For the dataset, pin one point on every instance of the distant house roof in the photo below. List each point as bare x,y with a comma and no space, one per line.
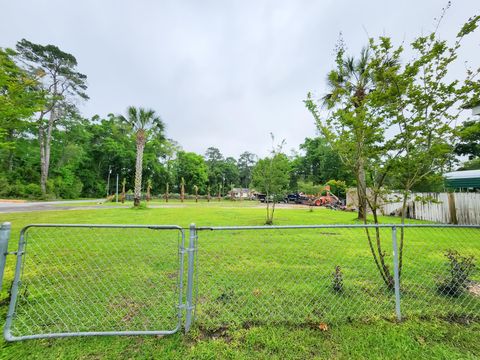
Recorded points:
463,179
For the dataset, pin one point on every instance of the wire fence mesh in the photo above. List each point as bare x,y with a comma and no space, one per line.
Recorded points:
440,276
82,279
310,276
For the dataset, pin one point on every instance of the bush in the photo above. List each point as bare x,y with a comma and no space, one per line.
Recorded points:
66,189
309,188
337,281
337,187
33,191
16,190
4,187
460,269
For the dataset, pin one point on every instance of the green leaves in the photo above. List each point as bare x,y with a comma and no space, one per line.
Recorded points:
470,26
271,174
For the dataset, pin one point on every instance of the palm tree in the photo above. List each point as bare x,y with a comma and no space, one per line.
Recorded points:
145,124
195,187
349,85
182,189
149,187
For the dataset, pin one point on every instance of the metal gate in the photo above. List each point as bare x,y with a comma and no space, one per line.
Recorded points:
77,280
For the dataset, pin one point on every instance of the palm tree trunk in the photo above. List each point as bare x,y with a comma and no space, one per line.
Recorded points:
137,195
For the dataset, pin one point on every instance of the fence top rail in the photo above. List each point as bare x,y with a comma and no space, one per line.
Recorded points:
357,226
258,227
107,226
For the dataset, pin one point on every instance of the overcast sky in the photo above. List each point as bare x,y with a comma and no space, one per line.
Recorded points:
220,73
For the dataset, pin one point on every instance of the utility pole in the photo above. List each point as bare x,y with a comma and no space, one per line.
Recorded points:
108,179
117,190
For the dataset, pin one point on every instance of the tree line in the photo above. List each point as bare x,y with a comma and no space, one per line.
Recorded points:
385,123
49,150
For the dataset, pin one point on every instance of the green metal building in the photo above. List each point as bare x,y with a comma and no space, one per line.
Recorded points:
467,180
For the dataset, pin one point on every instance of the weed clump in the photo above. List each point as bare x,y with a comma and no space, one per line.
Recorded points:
460,269
337,281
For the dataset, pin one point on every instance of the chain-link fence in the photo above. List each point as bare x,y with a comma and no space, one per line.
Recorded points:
96,280
308,276
75,280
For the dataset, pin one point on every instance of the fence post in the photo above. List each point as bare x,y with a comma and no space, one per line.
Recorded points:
4,236
396,277
191,263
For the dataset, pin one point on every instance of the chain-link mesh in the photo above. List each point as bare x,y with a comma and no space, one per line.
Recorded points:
440,275
79,279
290,276
328,275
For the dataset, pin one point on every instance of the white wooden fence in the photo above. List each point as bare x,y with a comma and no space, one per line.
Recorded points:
446,208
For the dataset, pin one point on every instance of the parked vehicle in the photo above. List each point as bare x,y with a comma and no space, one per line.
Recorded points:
261,197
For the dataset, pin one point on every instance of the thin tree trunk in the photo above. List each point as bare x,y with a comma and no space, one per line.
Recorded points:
137,194
381,254
361,191
148,196
271,214
166,192
43,176
10,151
402,233
10,160
268,222
46,139
182,190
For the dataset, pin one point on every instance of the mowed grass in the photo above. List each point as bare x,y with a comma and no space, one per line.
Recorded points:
260,294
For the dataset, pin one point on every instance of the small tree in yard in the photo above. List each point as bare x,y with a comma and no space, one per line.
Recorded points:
145,124
405,123
421,103
271,176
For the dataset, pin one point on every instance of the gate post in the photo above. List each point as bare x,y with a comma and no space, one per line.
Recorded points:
190,267
4,236
396,277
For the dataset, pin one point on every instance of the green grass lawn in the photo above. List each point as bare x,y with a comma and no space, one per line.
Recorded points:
261,294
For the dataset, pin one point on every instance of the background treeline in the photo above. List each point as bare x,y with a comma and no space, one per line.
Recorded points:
84,152
49,150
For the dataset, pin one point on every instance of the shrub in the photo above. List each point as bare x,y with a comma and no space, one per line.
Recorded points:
460,269
16,190
4,187
33,191
337,281
309,188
